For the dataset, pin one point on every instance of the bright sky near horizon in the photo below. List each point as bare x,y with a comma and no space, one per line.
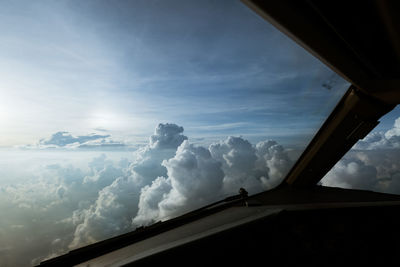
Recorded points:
122,67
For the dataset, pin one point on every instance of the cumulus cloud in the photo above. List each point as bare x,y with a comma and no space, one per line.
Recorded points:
63,206
351,173
110,215
197,176
255,168
376,170
122,196
273,158
150,198
381,140
395,131
193,172
167,135
372,164
165,178
48,205
238,158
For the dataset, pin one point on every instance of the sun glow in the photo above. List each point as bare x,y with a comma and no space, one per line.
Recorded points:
104,119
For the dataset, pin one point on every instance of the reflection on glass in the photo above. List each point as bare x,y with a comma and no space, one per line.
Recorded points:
120,114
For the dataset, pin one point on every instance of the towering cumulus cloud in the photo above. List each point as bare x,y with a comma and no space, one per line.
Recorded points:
254,168
197,176
117,203
163,179
167,136
238,159
194,179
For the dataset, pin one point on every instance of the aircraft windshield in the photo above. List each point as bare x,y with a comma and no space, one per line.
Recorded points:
117,114
373,162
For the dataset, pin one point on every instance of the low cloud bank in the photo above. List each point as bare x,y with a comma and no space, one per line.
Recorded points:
165,178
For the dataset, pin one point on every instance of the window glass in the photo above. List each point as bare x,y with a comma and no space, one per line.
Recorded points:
117,114
373,163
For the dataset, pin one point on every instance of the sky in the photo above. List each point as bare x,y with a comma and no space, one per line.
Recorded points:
119,114
120,68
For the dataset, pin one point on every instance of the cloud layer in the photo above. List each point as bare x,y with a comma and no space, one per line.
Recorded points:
372,164
170,176
63,206
165,178
64,140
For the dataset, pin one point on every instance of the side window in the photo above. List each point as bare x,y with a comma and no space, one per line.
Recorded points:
374,162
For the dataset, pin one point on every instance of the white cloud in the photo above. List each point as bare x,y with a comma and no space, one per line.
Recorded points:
196,179
373,141
395,131
165,178
255,168
110,215
64,138
352,173
63,206
117,203
381,140
193,172
197,176
167,136
150,198
372,164
67,141
238,158
273,158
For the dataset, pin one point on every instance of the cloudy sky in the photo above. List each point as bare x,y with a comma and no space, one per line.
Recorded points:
117,114
122,67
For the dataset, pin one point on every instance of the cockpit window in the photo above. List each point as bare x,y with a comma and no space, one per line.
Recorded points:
118,114
373,163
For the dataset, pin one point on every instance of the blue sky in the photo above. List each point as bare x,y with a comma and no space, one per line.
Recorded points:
213,67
